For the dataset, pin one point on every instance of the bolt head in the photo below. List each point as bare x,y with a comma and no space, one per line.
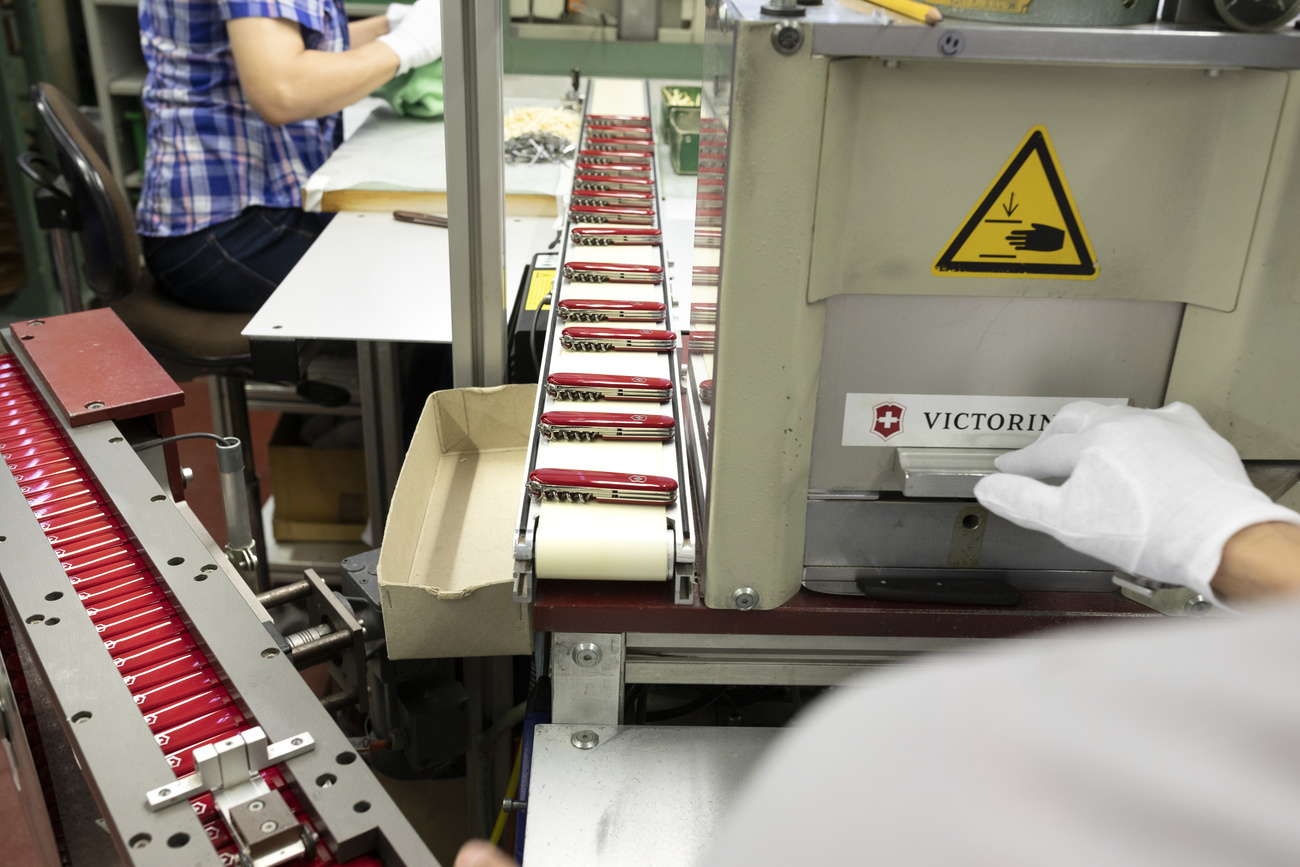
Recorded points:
585,739
787,38
587,654
745,598
269,825
95,404
162,793
255,806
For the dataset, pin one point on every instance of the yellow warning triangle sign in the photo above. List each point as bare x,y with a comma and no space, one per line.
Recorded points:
1026,225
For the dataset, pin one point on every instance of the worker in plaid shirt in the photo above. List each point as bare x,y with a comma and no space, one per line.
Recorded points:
243,100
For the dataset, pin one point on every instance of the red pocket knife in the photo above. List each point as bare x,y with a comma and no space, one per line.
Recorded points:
706,391
619,157
632,119
593,310
636,199
645,147
612,130
608,386
622,170
589,426
605,272
617,340
594,236
601,214
581,486
704,312
704,275
597,182
703,342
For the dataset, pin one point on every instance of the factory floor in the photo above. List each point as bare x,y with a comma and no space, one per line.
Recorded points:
436,808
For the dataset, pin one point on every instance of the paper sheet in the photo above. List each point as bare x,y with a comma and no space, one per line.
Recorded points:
618,96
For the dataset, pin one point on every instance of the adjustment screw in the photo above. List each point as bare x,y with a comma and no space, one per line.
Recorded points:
95,404
585,739
255,806
587,654
269,825
745,598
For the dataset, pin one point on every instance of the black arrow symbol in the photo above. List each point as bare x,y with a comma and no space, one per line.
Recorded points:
1010,207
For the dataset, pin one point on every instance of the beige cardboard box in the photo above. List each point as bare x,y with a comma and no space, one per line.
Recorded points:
445,571
320,494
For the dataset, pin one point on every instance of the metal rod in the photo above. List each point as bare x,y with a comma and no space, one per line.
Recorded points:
280,595
321,649
338,700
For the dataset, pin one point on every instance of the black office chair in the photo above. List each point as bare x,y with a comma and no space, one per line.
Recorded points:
84,198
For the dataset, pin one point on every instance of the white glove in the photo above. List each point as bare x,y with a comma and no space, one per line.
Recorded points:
1155,492
417,39
395,13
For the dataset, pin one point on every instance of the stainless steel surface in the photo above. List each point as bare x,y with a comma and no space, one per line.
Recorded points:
638,20
763,660
471,35
930,534
643,796
840,31
586,691
895,344
946,473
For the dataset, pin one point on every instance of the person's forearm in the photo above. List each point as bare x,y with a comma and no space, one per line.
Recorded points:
1259,561
285,82
367,30
317,83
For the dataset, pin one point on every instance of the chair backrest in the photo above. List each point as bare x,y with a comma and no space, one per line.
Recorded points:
109,245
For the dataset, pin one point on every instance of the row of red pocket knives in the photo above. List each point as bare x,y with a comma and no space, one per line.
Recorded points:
170,679
608,310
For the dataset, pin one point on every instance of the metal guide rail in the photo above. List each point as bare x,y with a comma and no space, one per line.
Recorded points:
168,687
609,422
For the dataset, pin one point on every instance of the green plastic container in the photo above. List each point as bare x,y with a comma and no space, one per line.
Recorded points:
670,111
684,140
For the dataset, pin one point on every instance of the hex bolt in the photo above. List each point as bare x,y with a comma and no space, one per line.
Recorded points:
269,825
745,598
585,739
587,654
787,37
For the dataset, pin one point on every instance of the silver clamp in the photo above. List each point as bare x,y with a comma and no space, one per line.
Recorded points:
261,823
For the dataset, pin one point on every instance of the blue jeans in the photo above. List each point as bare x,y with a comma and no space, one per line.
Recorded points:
233,266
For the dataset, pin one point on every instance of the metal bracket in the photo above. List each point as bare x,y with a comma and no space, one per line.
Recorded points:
229,764
1169,599
587,678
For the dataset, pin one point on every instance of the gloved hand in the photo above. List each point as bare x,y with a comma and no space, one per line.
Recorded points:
1155,492
417,40
395,13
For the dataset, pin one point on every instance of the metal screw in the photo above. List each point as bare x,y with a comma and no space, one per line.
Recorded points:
511,806
1197,606
891,63
951,43
1213,73
351,565
297,742
36,322
255,806
587,654
95,404
745,598
787,37
585,739
140,842
162,793
269,825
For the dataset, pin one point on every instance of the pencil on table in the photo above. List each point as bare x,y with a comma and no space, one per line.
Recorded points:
923,12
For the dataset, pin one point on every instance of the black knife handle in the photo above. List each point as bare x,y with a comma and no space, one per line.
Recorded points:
945,591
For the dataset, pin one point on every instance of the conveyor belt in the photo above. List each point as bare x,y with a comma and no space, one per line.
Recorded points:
175,684
598,540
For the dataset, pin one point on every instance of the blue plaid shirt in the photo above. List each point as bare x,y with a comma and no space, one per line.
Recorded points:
210,155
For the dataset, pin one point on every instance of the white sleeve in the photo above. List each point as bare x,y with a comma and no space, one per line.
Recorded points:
1166,743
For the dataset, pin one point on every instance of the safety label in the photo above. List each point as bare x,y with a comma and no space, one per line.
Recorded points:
950,420
1026,225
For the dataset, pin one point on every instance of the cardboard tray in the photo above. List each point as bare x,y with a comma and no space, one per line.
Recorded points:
446,567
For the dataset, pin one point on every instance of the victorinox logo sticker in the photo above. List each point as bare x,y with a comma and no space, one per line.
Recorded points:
888,420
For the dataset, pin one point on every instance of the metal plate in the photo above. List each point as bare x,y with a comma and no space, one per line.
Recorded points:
91,358
643,795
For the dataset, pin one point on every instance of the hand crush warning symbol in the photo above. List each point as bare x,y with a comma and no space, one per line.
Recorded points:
1026,225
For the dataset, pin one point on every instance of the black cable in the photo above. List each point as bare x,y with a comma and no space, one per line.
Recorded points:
225,441
533,348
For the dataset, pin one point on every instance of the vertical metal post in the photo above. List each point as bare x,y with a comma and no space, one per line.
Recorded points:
471,69
381,427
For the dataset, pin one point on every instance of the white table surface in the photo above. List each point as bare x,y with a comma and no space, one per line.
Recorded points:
369,277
